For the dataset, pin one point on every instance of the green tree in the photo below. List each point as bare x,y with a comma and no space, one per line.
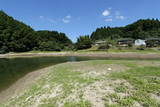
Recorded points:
83,42
16,36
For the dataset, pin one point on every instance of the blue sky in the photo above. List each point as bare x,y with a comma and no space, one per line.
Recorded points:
79,17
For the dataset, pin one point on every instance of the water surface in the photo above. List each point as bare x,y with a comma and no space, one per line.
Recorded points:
13,69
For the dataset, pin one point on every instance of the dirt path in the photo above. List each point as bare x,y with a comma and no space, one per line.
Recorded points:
89,54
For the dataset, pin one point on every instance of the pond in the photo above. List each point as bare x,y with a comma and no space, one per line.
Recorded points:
13,69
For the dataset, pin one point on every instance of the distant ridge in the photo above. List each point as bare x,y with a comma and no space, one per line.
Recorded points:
141,29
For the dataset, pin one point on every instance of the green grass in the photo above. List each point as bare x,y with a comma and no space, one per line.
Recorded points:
134,50
123,49
120,102
121,88
63,76
79,104
143,81
111,50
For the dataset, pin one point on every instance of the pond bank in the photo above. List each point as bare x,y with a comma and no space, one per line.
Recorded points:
97,83
88,54
22,83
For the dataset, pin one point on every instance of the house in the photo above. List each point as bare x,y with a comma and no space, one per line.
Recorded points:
125,42
153,42
100,43
140,42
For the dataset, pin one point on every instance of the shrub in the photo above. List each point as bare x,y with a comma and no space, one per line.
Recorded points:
83,42
142,47
3,50
104,47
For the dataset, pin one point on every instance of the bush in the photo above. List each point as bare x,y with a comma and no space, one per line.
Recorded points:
4,49
104,47
83,42
142,47
152,43
49,46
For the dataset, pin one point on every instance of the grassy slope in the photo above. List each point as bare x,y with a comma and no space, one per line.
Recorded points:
111,50
108,51
124,49
130,83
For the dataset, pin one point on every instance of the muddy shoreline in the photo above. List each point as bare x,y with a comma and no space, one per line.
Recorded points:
86,54
22,83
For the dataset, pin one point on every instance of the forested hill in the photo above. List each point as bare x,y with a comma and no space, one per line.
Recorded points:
139,30
16,36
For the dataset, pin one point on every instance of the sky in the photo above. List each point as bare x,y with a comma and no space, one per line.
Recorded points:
79,17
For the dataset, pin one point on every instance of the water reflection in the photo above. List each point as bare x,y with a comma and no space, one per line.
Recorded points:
13,69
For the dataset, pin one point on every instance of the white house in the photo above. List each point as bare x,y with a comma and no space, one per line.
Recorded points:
140,42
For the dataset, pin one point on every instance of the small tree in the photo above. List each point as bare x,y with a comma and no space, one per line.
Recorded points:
83,42
49,46
3,50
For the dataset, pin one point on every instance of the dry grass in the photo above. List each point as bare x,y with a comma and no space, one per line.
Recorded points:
92,84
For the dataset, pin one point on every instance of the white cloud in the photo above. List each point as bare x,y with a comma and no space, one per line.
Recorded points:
120,17
47,19
111,15
41,17
51,20
106,13
108,20
67,19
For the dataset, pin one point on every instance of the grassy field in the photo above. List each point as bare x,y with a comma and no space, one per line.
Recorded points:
108,51
98,83
122,49
111,50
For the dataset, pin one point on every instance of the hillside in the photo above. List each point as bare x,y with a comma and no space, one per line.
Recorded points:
138,30
16,36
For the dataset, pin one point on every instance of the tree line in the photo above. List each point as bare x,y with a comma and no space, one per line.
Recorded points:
15,36
141,29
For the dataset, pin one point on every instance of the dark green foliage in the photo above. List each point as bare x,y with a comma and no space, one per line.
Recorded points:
141,29
109,33
104,47
15,36
142,47
3,49
153,42
83,42
49,46
52,41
